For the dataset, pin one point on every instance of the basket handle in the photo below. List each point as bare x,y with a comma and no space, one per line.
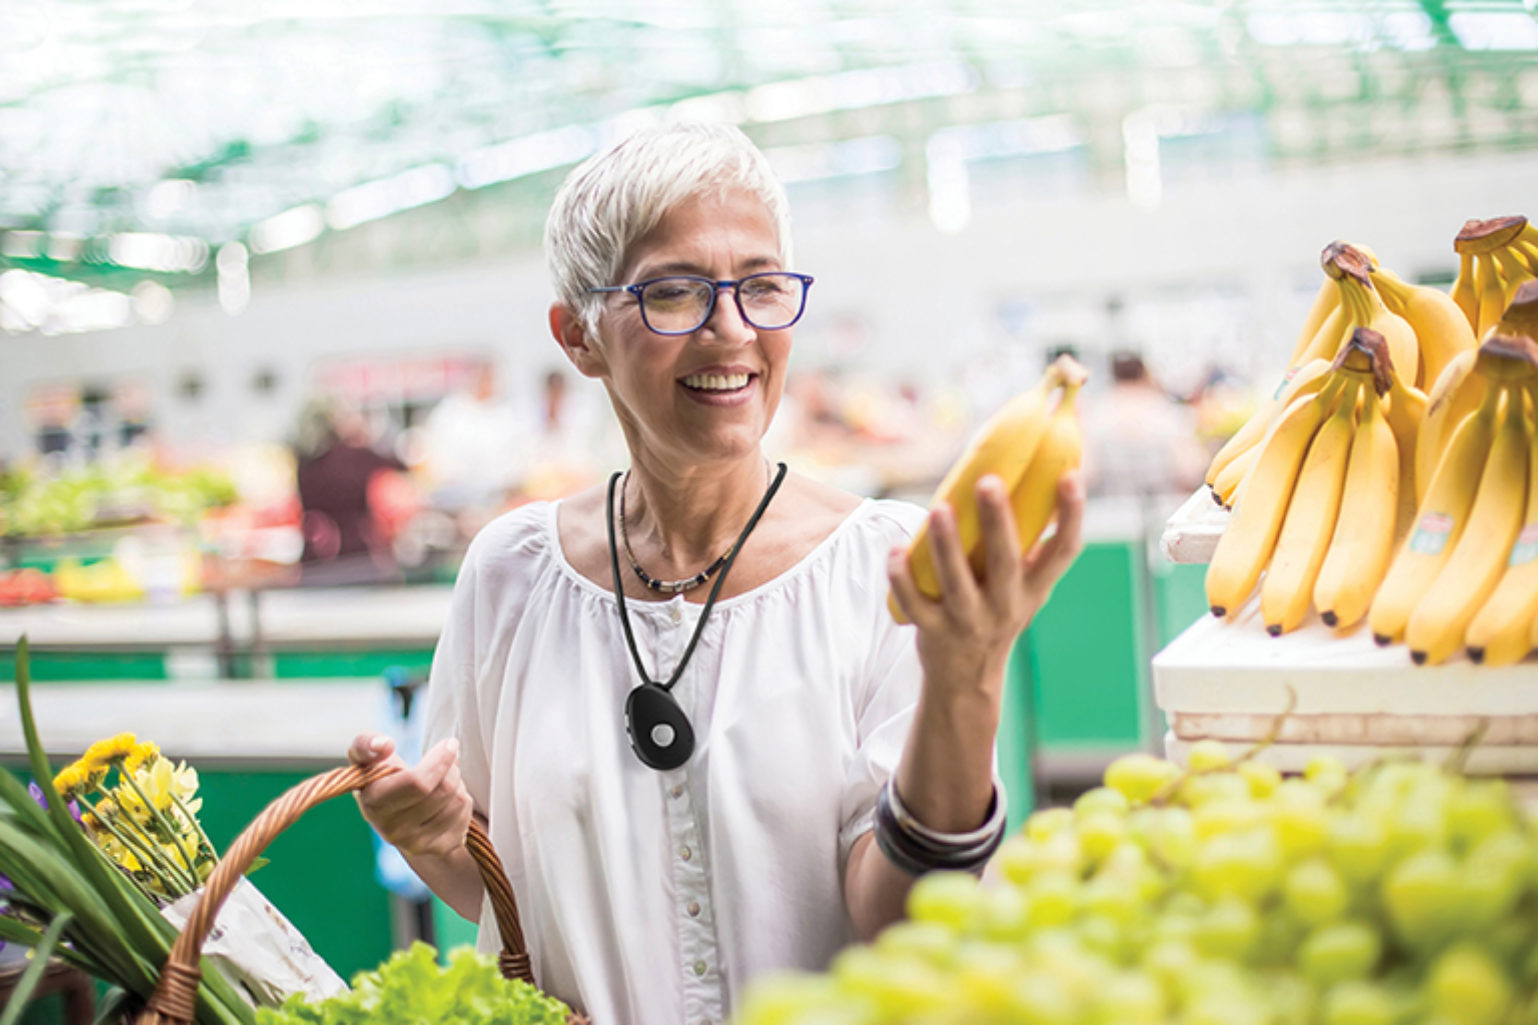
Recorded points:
174,1001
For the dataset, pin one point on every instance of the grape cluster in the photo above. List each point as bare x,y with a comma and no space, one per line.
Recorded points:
1218,894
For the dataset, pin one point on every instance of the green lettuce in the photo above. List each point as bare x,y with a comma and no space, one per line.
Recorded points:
411,988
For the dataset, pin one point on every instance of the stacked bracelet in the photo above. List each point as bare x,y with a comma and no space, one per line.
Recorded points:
916,849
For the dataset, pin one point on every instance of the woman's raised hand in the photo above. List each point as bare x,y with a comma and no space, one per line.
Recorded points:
422,810
967,634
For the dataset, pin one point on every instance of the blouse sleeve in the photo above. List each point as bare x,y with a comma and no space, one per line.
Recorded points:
884,711
453,708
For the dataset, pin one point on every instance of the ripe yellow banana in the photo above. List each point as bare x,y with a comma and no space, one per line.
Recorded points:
1500,634
1363,541
1465,294
1492,293
1305,380
1034,499
1326,302
1439,325
1456,394
1230,482
1436,628
1439,523
1514,275
1003,445
1366,309
1406,414
1288,587
1250,536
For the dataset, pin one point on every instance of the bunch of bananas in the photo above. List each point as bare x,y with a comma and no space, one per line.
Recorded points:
1495,258
1320,508
1029,443
1425,332
1467,576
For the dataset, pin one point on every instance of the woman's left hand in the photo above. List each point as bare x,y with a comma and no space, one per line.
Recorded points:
964,637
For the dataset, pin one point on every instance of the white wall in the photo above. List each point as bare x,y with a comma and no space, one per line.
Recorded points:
928,301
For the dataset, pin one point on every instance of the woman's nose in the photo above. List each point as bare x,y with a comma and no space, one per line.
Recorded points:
726,321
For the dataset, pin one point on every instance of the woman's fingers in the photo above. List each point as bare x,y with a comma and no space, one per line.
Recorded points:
958,587
1001,542
368,748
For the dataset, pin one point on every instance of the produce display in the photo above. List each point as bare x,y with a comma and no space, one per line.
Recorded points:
1388,480
411,987
107,493
1220,894
1029,443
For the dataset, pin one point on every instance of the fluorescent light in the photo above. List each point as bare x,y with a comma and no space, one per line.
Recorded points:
527,155
1495,30
150,251
405,191
293,227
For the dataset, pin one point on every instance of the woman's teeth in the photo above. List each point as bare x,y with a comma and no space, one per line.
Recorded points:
716,382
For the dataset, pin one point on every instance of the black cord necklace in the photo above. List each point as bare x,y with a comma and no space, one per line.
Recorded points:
660,586
660,734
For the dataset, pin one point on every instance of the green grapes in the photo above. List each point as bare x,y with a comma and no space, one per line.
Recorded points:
1218,894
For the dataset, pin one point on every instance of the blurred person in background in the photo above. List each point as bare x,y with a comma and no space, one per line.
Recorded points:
342,479
473,449
1139,440
669,844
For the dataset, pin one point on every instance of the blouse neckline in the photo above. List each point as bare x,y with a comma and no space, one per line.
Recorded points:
800,566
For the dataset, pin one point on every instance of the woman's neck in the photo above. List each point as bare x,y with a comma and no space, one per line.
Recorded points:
680,521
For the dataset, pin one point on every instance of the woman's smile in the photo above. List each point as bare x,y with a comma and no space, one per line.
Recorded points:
720,386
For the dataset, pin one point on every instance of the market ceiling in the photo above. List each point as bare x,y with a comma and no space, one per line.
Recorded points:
143,138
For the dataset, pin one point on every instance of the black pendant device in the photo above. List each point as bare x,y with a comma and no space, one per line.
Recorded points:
660,733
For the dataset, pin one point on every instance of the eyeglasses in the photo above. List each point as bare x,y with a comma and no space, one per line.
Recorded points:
681,304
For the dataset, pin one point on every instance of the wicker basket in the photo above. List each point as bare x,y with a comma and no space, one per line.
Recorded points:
174,999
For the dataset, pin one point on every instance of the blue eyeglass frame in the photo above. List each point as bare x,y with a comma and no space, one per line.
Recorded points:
715,292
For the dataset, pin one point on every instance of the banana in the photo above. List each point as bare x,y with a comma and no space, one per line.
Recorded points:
1492,293
1465,294
1250,536
1034,499
1499,634
1456,394
1226,488
1363,540
1436,628
1368,310
1526,254
1288,587
1439,523
1003,445
1326,302
1439,325
1305,380
1514,275
1406,413
1327,340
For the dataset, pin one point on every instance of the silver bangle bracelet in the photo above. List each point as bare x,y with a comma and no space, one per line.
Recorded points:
997,815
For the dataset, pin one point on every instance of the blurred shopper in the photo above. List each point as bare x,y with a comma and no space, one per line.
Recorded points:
1138,440
670,844
339,479
473,448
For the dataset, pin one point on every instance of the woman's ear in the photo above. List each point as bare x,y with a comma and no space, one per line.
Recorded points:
571,334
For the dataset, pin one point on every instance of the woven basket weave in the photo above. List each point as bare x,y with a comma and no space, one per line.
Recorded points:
174,1001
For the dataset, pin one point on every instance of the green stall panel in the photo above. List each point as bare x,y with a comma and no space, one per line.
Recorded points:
373,662
87,665
1182,597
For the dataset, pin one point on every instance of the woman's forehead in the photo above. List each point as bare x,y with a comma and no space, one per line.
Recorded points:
704,227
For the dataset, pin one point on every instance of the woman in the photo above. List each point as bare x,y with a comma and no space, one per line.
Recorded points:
654,894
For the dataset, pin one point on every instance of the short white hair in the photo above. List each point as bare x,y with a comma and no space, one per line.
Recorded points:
618,195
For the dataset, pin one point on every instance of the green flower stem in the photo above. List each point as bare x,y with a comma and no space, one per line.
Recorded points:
213,851
148,854
173,834
22,994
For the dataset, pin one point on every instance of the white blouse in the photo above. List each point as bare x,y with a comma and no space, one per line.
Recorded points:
652,898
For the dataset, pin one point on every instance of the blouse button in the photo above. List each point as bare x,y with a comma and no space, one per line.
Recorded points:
685,853
676,614
699,967
694,909
678,790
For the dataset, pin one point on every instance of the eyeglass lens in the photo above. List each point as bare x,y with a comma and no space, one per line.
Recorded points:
769,302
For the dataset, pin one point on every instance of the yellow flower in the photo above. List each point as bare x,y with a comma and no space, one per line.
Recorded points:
112,749
78,778
144,753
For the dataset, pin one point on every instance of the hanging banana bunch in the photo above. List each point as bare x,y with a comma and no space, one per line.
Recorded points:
1029,443
1468,558
1495,258
1317,512
1423,328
